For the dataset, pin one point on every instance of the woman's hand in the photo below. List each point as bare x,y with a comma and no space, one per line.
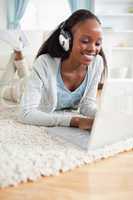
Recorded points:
85,123
82,123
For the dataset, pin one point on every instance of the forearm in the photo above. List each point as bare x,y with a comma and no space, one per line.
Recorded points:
37,117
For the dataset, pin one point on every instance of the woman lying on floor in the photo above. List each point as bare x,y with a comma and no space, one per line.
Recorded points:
66,74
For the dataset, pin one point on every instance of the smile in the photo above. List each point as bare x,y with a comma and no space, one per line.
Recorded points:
88,57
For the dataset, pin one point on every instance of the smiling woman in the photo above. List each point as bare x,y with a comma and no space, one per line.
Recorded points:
40,14
66,74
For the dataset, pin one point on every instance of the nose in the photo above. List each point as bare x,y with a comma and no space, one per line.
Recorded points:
91,47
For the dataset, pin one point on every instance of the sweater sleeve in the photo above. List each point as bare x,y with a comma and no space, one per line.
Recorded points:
88,105
30,101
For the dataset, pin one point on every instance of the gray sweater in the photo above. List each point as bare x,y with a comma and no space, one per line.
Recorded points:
38,103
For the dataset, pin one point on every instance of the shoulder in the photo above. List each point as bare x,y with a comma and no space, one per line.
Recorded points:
45,62
46,59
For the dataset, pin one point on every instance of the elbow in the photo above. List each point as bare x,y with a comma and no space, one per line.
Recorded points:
88,110
23,117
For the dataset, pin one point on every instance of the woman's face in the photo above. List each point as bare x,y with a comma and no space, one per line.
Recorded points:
87,41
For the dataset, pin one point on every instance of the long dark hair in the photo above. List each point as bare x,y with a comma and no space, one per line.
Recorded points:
53,47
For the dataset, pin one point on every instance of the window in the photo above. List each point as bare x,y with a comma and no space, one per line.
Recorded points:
45,14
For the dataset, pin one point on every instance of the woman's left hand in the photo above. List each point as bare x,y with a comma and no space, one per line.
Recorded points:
86,123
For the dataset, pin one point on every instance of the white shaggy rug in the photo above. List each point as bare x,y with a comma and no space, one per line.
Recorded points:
28,152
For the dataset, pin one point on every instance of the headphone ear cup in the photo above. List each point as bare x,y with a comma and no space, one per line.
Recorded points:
64,40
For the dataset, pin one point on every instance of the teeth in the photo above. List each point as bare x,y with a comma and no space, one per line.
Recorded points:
88,56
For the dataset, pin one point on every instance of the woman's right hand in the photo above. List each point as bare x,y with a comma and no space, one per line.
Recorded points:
82,123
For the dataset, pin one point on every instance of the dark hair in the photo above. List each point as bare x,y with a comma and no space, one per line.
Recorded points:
52,45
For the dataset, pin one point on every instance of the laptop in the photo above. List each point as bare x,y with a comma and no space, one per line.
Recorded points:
113,121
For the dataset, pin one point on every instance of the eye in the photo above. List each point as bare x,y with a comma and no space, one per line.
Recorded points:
98,44
84,41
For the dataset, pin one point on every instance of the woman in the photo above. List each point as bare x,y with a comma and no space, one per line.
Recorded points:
65,74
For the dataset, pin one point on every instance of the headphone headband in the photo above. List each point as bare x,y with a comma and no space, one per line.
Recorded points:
62,25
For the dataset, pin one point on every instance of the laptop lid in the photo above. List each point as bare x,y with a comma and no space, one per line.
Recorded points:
114,120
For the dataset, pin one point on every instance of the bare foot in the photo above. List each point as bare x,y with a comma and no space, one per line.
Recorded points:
18,55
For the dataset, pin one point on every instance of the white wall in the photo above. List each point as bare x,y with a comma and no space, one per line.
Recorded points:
3,12
45,15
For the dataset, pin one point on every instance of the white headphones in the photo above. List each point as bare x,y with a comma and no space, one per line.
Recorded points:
64,38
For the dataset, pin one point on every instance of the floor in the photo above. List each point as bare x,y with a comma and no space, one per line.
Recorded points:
109,179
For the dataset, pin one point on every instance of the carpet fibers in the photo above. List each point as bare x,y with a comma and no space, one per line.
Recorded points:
28,152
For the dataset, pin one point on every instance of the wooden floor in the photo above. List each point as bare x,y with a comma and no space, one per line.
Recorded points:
109,179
